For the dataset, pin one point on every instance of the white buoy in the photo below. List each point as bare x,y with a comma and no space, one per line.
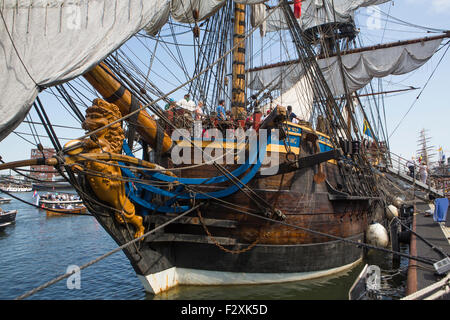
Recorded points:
377,235
398,202
391,212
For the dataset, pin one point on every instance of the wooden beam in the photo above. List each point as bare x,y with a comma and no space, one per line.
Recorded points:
363,49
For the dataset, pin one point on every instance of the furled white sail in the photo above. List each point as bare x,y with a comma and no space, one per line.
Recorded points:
183,10
300,96
190,11
46,42
314,13
283,77
359,68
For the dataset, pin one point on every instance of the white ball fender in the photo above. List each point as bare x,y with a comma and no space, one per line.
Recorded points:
398,202
391,212
377,235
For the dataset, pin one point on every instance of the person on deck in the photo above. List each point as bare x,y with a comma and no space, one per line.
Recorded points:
170,106
423,172
254,104
411,164
221,114
187,103
199,111
292,116
266,115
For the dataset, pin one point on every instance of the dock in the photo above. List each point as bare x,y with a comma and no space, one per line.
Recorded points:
423,282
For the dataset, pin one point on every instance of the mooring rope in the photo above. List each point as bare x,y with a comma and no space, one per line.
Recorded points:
210,66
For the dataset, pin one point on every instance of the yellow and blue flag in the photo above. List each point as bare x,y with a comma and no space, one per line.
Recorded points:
367,131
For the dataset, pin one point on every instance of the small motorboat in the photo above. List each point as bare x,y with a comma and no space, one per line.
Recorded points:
62,211
60,204
7,217
5,200
59,199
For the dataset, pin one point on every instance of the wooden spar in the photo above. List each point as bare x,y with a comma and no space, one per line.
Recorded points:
77,158
364,49
377,93
385,92
29,162
102,79
238,92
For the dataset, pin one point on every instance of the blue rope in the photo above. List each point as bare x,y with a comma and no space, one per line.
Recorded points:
196,181
167,207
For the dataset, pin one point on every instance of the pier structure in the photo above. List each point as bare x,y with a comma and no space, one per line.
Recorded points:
423,281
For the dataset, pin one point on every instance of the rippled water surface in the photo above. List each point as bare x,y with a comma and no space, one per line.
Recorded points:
37,249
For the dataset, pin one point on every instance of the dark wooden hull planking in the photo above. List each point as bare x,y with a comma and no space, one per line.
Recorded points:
205,244
218,239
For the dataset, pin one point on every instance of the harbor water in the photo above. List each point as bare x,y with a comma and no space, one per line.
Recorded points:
37,249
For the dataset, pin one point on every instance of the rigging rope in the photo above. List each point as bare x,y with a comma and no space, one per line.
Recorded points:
57,279
423,89
158,112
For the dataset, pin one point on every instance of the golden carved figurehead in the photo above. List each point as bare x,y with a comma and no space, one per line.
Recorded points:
104,184
99,115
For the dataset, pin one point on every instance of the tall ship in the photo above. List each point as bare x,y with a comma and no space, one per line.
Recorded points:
270,181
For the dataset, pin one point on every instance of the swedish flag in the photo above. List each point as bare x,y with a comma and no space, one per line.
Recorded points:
367,130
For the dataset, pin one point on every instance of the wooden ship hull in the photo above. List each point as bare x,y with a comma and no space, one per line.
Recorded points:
304,221
225,247
216,245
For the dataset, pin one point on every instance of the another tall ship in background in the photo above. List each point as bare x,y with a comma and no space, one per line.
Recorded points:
288,196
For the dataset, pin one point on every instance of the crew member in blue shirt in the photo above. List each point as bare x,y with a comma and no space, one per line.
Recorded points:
292,116
221,111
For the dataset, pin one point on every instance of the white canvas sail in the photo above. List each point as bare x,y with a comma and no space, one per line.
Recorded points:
183,10
314,13
46,42
359,68
190,11
300,96
283,77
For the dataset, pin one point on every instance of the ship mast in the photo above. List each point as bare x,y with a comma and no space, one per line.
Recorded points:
425,150
238,84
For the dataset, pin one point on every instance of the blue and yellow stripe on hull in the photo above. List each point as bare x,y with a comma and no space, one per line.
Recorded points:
293,141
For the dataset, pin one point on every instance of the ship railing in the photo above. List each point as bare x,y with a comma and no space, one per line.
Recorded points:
400,164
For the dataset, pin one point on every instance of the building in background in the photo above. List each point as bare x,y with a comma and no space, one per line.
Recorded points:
43,172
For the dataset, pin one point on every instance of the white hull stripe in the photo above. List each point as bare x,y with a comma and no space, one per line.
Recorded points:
169,278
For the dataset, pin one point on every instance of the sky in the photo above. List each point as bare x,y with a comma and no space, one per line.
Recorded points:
431,111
